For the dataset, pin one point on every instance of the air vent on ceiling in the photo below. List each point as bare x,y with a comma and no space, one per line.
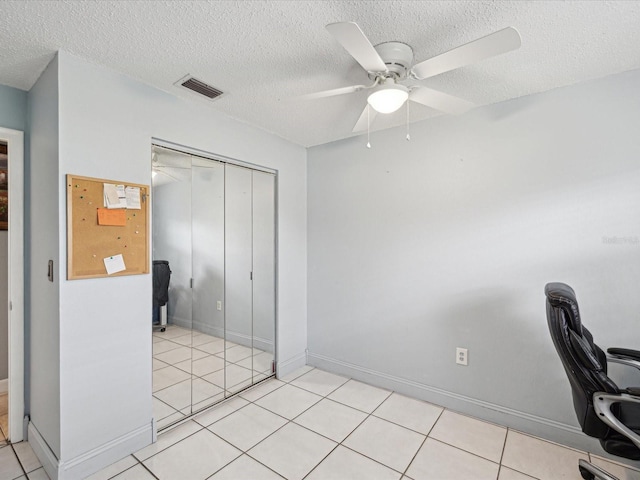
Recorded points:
199,87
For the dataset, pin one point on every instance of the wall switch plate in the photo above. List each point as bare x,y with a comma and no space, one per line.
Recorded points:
219,305
462,356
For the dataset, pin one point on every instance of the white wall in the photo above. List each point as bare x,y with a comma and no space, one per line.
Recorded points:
45,223
172,242
448,240
107,122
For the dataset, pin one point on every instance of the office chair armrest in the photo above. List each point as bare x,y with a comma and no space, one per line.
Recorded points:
624,352
622,356
602,403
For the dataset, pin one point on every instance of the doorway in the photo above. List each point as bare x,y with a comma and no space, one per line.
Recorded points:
214,231
11,284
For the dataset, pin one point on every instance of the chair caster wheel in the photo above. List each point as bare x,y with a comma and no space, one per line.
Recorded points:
162,329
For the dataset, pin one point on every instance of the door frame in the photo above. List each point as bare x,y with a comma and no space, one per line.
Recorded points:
15,263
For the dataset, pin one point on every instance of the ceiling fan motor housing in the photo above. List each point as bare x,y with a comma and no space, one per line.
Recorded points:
397,56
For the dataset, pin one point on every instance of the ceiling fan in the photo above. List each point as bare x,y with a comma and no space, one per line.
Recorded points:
389,64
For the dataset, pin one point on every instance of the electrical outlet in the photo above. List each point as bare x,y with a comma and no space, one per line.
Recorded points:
219,305
462,356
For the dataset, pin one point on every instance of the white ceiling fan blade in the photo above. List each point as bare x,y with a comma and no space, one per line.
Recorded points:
502,41
358,45
440,101
331,93
366,118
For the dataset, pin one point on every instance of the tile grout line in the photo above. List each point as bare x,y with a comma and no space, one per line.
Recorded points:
504,447
26,475
404,474
148,470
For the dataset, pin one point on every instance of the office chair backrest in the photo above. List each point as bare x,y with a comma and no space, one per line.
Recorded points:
584,362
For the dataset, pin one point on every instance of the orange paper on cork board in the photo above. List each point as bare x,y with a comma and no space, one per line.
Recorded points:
116,217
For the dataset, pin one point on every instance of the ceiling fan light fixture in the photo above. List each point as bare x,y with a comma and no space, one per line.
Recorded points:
388,97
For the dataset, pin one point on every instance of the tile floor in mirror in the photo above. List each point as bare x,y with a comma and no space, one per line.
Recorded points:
316,425
189,371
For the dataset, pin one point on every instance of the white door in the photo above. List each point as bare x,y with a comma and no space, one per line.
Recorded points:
15,191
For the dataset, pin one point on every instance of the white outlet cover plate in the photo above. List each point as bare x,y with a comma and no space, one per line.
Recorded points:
462,357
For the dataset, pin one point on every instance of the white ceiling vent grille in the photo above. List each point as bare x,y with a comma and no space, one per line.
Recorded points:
199,87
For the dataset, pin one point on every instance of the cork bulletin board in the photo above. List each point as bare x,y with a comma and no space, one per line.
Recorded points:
102,241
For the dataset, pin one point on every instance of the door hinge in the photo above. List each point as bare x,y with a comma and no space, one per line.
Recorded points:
191,282
273,366
250,275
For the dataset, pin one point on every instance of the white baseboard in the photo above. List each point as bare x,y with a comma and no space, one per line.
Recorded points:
542,427
285,367
4,386
235,337
204,327
47,458
92,461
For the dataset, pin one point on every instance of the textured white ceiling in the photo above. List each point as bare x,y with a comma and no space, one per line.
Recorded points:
263,53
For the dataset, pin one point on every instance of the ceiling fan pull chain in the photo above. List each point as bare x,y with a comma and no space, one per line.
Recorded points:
368,126
408,136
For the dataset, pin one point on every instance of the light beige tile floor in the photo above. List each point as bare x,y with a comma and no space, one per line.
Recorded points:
298,428
4,409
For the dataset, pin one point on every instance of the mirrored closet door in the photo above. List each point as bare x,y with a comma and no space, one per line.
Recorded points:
214,228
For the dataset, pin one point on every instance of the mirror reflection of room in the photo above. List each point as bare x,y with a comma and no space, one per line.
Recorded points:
214,281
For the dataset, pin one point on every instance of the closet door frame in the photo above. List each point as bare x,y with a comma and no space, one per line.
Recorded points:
233,161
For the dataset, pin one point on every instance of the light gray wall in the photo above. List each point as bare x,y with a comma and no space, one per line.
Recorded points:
207,224
107,122
416,248
172,242
13,114
45,223
13,108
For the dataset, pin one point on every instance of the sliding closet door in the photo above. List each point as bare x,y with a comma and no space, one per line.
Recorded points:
171,197
238,272
214,223
264,305
207,225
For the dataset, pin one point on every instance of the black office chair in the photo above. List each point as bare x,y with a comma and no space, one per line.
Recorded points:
604,410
